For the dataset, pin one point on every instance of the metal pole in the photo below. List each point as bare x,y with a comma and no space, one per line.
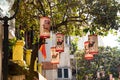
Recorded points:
5,43
5,49
76,68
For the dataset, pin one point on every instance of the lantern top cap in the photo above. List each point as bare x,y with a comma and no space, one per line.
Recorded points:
59,33
45,17
53,47
86,42
92,35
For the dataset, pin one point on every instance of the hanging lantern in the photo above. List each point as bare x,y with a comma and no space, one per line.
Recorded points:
98,74
54,56
86,46
110,76
44,27
93,44
89,56
59,42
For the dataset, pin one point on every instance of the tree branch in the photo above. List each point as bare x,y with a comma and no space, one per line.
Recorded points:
44,14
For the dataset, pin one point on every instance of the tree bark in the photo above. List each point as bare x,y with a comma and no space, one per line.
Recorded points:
34,54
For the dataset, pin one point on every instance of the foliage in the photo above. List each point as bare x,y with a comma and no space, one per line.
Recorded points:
12,43
107,60
73,17
118,39
74,43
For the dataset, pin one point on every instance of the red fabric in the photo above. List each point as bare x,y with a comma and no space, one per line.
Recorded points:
43,51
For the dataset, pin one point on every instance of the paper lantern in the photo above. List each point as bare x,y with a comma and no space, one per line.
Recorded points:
54,56
44,27
89,56
93,44
59,42
110,77
86,46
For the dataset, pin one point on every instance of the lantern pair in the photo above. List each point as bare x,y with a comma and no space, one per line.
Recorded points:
91,47
45,33
55,51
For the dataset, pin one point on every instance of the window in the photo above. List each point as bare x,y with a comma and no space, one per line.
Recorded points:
59,73
62,73
67,40
65,73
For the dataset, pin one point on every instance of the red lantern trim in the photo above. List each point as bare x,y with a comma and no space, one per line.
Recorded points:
95,52
44,37
89,56
55,62
86,42
53,47
59,34
59,51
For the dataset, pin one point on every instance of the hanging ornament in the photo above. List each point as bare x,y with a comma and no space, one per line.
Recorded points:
54,56
59,42
44,27
93,44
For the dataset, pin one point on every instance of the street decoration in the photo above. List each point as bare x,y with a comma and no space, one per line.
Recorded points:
59,42
54,56
44,27
87,55
93,44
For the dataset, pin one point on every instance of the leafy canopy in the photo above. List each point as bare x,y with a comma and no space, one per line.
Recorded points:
106,60
72,17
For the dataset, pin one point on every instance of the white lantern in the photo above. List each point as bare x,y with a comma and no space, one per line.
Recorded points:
44,27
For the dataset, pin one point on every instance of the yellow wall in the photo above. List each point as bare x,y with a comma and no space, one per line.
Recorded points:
18,50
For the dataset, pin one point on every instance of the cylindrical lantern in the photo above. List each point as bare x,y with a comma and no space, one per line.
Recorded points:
54,56
86,46
98,75
110,77
59,42
44,27
93,44
89,56
103,73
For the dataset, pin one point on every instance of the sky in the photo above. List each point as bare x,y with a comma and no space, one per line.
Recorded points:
5,6
118,1
111,40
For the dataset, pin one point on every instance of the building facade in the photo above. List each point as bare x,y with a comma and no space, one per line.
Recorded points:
56,71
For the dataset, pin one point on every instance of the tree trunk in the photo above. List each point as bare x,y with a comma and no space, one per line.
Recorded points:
34,54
